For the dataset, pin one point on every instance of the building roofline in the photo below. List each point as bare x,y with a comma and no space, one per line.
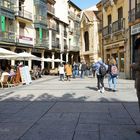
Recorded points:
73,4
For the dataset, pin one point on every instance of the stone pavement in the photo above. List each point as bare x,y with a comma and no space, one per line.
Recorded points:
50,109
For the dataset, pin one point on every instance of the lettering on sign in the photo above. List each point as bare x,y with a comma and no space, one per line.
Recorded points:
135,29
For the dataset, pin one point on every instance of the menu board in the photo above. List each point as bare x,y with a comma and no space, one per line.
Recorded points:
25,75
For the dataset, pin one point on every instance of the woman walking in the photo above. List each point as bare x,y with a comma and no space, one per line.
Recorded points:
113,73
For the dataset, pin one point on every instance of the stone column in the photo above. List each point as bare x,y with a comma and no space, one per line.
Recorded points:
29,61
61,56
13,50
50,39
42,62
67,57
53,59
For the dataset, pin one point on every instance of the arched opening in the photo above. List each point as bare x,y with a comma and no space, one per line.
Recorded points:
86,39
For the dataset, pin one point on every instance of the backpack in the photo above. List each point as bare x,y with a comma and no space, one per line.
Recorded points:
102,70
114,70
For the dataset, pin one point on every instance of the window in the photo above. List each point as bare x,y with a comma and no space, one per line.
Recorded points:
86,39
120,13
109,23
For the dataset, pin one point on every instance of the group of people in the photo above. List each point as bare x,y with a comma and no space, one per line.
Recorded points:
101,69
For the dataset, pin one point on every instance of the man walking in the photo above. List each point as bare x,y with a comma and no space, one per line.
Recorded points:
100,70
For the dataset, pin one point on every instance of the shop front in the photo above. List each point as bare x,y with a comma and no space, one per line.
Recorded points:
118,52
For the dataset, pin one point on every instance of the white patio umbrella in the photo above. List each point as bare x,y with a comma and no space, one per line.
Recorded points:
6,52
58,60
21,56
47,59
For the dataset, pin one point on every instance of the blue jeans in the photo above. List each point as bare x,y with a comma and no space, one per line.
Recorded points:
112,81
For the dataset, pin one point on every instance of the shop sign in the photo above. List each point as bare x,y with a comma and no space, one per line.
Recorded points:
25,40
135,29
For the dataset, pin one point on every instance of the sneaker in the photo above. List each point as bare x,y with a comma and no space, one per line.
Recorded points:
103,90
114,90
99,90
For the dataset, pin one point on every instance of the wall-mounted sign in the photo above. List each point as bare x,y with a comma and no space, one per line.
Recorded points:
135,29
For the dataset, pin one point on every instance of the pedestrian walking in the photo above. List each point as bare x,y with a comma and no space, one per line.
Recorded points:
136,67
61,72
100,70
83,69
68,69
113,73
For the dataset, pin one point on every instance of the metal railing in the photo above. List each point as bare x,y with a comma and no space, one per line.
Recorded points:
107,30
42,43
118,25
7,4
50,9
71,14
7,36
24,14
40,19
134,14
51,25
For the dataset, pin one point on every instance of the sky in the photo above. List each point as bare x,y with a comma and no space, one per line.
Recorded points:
83,4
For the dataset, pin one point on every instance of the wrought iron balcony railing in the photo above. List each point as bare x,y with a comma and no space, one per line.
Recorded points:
7,36
118,25
42,43
50,9
107,30
51,25
71,14
40,19
134,14
7,5
24,14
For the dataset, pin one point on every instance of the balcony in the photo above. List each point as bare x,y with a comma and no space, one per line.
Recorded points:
107,30
50,9
24,40
107,3
55,45
24,14
77,18
38,19
134,14
44,43
71,14
7,37
118,25
51,25
7,8
74,48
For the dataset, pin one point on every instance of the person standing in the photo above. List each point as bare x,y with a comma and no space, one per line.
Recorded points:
68,69
61,72
113,73
100,70
136,67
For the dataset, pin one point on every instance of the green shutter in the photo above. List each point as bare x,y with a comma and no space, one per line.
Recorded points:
3,23
40,33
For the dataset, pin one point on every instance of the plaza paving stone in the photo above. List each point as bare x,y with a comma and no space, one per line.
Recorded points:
49,109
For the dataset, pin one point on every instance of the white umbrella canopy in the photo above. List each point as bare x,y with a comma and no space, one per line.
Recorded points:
6,52
26,56
21,56
58,60
47,59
